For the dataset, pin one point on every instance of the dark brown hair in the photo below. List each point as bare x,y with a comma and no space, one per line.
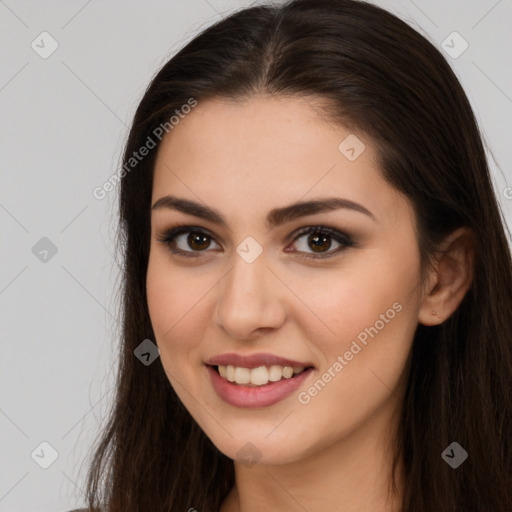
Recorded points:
379,76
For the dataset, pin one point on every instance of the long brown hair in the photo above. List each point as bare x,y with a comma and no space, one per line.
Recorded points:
380,76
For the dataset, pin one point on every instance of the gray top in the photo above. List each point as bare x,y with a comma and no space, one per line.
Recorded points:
102,508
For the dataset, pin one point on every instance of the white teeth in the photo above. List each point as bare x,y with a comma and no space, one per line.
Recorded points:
242,375
287,372
230,373
257,376
223,371
275,373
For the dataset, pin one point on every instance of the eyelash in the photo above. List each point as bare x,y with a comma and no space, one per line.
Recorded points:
345,240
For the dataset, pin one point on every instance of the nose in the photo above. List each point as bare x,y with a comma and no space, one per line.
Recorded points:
250,300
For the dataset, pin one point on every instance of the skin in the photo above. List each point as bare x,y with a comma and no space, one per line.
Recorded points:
243,159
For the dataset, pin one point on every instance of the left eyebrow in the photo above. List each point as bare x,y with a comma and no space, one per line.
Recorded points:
275,217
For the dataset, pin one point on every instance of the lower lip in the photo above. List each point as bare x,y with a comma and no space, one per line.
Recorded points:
261,396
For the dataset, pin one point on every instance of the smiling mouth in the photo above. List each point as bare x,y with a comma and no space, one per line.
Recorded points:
260,376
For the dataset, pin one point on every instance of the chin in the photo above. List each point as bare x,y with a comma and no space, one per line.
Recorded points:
257,446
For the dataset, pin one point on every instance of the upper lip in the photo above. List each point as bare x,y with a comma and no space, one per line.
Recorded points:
254,361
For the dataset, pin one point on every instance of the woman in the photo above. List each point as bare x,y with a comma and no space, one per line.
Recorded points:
312,241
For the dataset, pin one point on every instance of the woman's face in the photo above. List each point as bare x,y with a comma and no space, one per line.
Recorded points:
342,303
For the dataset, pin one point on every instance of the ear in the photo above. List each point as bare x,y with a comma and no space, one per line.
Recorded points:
449,279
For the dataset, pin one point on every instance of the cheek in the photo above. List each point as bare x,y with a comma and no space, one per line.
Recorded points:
371,317
174,306
343,303
171,291
368,310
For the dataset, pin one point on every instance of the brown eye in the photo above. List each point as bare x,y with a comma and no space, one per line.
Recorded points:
186,240
319,240
319,243
198,241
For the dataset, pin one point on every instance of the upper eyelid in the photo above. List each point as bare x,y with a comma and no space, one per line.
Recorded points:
185,228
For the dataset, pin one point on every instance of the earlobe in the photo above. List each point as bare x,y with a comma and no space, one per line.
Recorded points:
449,279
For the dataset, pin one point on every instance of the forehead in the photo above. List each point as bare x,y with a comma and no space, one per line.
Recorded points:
261,131
266,150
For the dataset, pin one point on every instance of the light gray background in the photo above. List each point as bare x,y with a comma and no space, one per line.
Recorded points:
62,126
